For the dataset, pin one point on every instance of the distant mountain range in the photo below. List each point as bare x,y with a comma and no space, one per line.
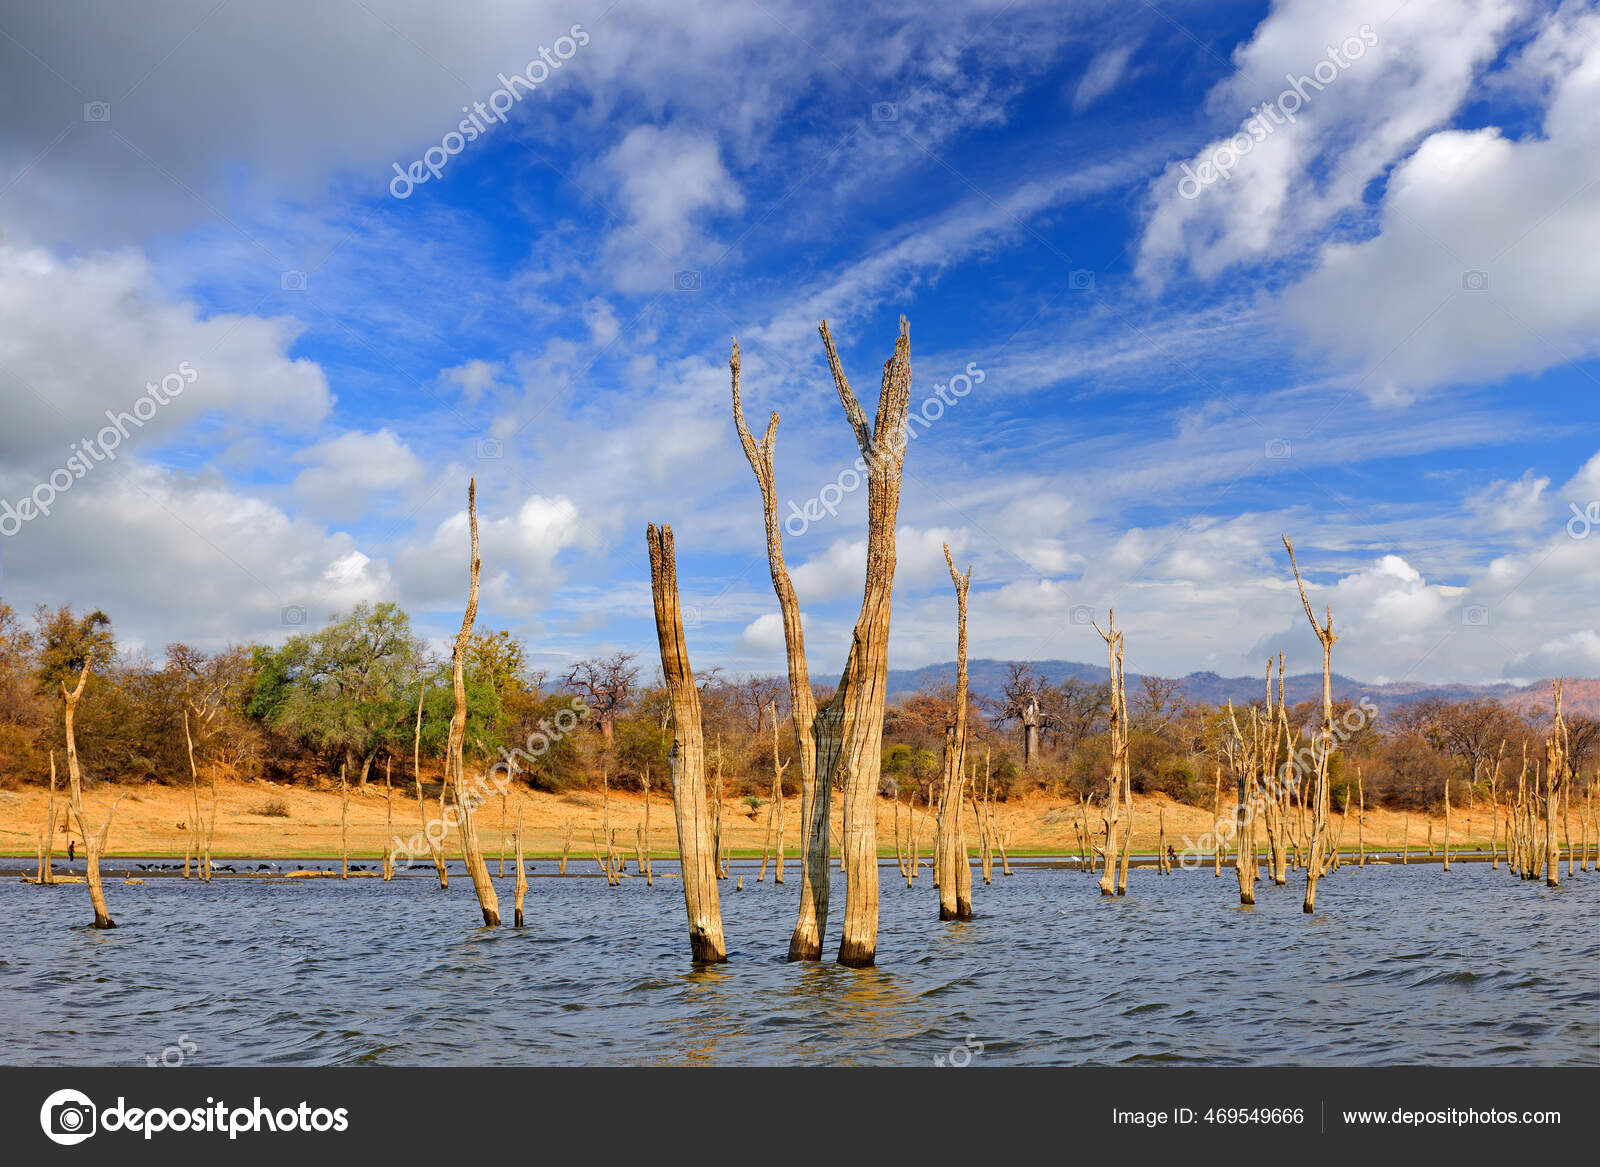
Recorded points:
987,677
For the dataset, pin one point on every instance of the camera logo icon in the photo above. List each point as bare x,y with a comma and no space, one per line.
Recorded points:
491,448
97,111
68,1117
1475,281
1278,449
1081,614
885,111
1081,280
292,281
1475,616
686,281
292,615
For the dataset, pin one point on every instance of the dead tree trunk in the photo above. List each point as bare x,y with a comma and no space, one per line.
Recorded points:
1320,815
1557,752
806,941
1216,823
649,864
716,819
388,811
566,843
1361,819
1242,761
502,870
1447,824
422,807
848,733
1119,785
695,847
471,852
775,809
344,825
93,841
521,890
48,842
952,854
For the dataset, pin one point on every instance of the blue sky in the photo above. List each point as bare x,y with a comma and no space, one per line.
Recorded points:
1378,332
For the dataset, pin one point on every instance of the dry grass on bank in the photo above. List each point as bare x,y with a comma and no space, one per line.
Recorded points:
259,819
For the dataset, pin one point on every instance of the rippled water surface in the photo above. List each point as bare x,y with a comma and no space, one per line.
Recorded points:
1399,965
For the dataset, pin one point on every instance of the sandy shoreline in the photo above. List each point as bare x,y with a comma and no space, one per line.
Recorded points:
151,822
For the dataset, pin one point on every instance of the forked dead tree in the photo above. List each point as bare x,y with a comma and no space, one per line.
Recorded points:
696,850
1324,749
846,735
471,852
954,873
93,841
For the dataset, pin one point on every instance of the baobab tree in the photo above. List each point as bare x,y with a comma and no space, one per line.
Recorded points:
1020,703
606,684
471,852
846,734
953,873
696,851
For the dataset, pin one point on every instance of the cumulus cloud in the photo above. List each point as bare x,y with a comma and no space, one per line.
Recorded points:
89,334
1406,75
1481,265
669,182
343,473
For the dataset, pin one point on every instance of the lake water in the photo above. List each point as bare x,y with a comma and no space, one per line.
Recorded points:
1399,965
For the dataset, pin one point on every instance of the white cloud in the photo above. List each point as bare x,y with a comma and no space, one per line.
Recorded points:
87,335
1359,120
1103,75
1512,506
1483,261
177,557
343,473
669,182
